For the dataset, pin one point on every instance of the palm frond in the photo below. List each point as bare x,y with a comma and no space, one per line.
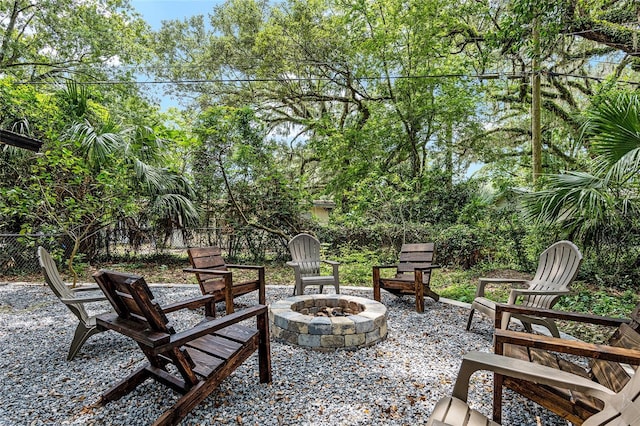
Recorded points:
96,143
613,127
175,206
573,201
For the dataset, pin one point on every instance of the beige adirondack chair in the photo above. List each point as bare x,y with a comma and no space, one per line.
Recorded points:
86,324
557,268
305,255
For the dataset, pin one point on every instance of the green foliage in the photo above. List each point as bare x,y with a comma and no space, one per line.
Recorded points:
461,246
600,206
356,264
236,174
602,301
54,38
454,284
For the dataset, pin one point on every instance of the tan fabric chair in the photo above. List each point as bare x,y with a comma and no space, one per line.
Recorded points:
305,255
620,409
86,324
557,268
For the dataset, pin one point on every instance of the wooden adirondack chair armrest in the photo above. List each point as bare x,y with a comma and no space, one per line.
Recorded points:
256,267
206,271
573,347
511,367
210,326
330,262
385,266
293,264
193,303
563,315
73,300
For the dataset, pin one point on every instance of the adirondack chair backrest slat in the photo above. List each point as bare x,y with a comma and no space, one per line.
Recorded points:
557,268
132,300
612,374
208,258
305,250
416,256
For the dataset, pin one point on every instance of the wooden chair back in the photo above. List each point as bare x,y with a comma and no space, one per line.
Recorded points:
558,266
305,250
414,256
54,281
143,319
414,266
208,258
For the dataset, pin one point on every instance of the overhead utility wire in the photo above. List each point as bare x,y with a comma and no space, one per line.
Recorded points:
488,76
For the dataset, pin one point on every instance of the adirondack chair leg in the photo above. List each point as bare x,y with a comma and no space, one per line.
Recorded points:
125,386
419,289
228,294
497,397
264,349
376,284
470,319
432,294
210,310
262,298
80,336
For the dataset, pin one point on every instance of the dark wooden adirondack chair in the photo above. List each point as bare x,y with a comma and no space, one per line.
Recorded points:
73,300
305,261
557,268
215,278
608,365
413,274
192,362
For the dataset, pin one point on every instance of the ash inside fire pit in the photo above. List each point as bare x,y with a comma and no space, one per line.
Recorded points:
328,322
327,312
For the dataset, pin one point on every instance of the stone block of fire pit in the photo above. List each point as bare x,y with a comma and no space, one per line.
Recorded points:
328,322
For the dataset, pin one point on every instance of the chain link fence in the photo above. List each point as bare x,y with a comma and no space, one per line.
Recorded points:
18,251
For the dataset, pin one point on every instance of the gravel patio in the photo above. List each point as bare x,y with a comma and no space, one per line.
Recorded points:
395,382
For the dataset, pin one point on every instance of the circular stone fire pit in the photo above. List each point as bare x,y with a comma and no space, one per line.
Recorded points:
344,322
